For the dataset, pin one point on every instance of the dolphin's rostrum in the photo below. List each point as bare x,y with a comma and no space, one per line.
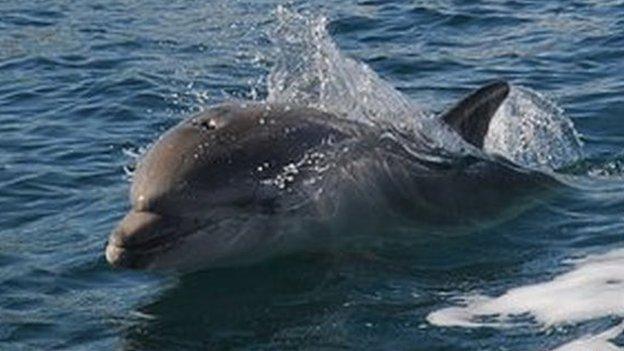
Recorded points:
243,182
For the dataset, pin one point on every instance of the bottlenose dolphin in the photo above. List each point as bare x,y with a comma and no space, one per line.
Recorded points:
243,182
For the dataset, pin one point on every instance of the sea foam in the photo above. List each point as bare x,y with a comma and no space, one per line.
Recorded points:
594,288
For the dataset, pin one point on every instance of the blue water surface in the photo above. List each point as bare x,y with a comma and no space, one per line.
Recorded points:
85,84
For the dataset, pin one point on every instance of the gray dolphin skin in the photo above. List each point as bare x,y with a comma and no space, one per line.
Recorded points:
240,183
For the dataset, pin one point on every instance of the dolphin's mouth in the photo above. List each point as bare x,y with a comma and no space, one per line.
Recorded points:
141,236
138,256
121,257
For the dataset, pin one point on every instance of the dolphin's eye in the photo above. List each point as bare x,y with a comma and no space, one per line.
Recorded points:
208,124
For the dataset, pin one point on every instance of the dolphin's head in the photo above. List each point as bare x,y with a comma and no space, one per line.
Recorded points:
198,195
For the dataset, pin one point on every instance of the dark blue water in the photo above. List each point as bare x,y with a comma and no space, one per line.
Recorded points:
85,84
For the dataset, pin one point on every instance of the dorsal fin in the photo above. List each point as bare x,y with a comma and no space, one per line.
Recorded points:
471,116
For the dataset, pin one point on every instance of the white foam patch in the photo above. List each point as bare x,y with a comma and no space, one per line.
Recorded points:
593,289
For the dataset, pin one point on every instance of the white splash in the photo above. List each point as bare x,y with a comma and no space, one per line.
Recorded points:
533,131
311,71
593,289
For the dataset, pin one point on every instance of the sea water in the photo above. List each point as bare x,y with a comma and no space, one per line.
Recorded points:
86,86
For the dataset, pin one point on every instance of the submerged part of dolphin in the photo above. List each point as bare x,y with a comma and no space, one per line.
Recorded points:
243,182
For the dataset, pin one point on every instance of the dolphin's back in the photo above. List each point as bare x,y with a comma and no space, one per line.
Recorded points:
390,186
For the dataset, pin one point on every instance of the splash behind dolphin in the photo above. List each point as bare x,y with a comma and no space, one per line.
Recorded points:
244,182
